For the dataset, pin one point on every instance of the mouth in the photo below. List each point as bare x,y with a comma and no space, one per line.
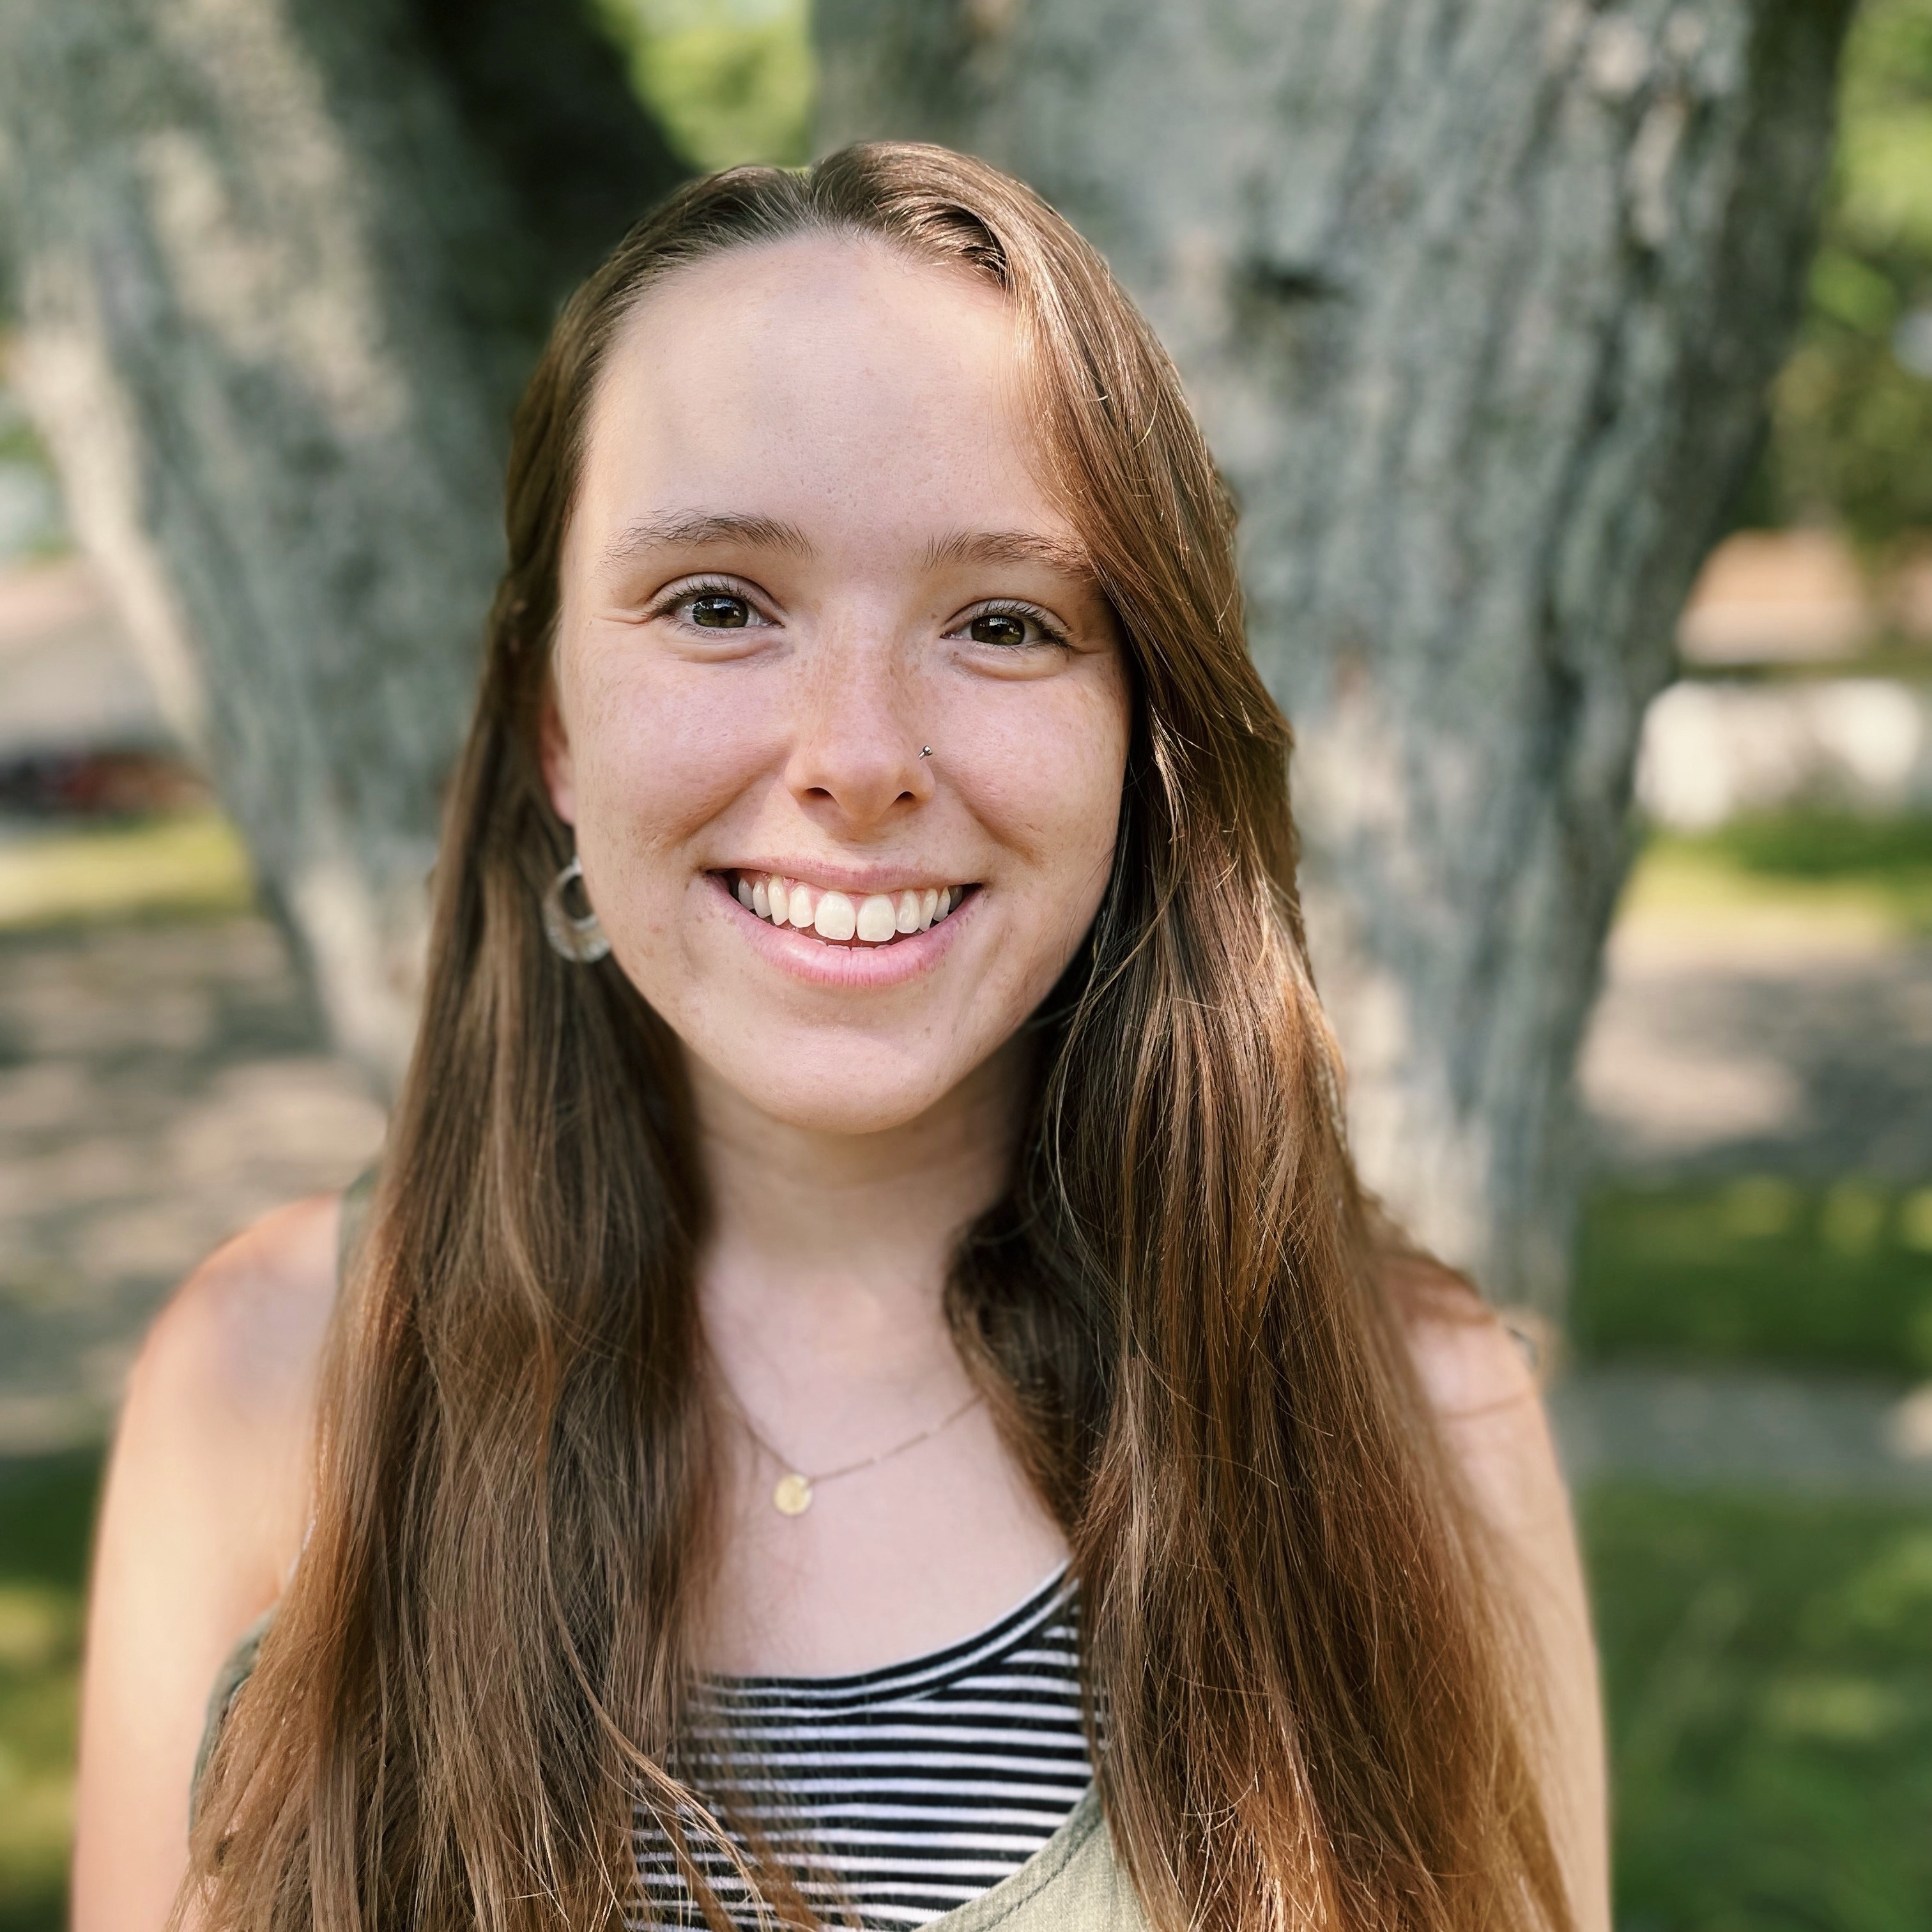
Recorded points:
859,920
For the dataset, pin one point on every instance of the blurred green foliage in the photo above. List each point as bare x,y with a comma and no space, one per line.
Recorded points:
1851,431
1768,1668
1759,1268
728,80
46,1514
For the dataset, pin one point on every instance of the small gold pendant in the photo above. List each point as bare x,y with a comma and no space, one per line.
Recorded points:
792,1495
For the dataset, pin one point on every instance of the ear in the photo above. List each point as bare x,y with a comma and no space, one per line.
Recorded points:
553,754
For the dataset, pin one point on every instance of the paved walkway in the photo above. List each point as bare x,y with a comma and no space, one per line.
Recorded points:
1744,1429
1762,1042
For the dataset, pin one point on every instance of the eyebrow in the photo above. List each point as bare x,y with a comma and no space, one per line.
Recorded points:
1010,547
693,529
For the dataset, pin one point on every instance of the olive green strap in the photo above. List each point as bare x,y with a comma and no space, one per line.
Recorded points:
234,1673
1073,1883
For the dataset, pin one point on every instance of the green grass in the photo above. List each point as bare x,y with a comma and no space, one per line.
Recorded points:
1768,1662
1821,844
1768,1665
174,863
1758,1268
1813,864
47,1512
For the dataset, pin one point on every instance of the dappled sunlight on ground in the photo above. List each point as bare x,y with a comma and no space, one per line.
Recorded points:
161,1085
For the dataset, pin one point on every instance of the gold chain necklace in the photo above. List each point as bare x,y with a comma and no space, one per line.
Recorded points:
791,1495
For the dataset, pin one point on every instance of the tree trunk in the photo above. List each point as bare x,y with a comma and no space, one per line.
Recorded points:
281,266
1477,299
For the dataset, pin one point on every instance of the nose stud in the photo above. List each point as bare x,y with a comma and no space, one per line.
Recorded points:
926,751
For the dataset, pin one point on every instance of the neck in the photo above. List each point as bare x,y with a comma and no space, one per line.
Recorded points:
826,1266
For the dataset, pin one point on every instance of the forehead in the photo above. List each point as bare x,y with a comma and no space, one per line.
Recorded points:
817,378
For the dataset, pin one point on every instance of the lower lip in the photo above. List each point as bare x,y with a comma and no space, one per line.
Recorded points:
802,954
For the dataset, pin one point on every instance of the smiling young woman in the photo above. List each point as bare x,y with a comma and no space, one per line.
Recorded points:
868,1389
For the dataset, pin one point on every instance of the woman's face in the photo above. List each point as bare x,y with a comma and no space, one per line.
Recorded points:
810,541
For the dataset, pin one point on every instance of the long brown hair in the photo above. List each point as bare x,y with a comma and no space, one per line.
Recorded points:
1306,1692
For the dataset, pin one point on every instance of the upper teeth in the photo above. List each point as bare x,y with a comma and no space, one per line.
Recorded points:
874,918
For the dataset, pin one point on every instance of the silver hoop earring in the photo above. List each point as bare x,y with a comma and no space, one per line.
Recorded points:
581,941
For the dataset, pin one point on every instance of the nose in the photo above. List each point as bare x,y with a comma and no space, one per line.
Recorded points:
855,764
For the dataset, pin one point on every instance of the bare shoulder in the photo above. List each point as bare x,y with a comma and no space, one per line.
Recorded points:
1481,1384
1467,1358
206,1505
244,1331
226,1379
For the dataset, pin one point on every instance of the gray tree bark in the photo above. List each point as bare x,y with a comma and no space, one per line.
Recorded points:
1477,299
280,267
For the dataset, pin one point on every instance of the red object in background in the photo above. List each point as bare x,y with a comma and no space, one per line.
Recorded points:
97,784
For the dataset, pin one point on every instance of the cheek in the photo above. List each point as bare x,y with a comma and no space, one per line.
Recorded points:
655,754
1050,778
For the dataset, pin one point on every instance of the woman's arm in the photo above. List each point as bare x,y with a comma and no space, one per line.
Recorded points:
1486,1400
205,1511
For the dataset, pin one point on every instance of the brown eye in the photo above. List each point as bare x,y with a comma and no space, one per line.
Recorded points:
997,627
715,611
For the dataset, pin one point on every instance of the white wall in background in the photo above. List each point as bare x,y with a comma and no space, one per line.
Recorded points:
1712,749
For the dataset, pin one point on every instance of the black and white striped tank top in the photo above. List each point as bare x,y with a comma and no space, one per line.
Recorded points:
897,1794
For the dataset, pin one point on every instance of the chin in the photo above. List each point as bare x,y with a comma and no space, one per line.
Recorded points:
836,1092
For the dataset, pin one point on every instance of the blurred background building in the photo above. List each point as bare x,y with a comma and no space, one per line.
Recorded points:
1745,1394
